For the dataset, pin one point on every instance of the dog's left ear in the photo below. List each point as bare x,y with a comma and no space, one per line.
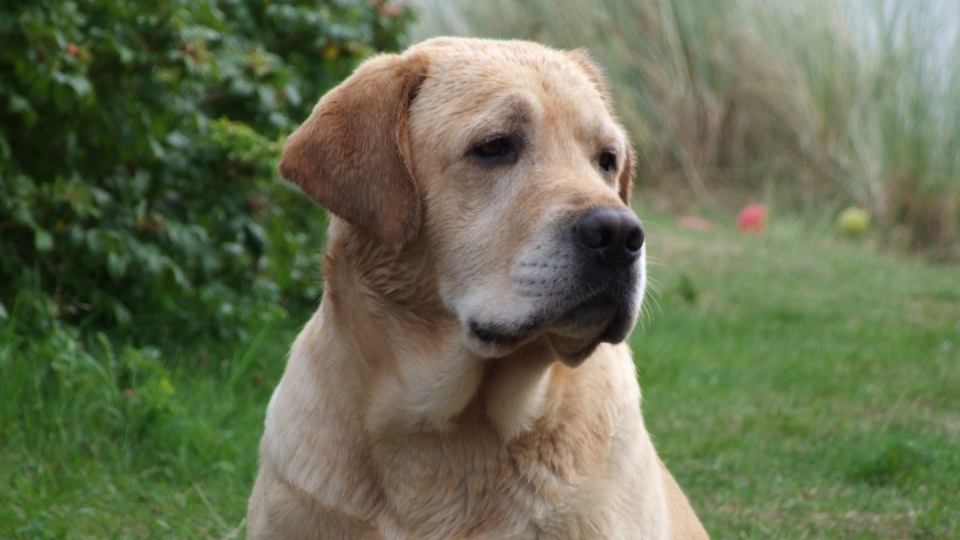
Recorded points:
352,155
625,181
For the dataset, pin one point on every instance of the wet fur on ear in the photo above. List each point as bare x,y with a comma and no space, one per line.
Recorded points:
625,181
352,154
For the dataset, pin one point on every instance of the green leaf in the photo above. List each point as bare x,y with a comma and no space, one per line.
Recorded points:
80,84
122,314
42,240
116,265
95,241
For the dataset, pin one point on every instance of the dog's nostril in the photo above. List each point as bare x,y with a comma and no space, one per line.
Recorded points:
594,234
596,230
613,232
635,239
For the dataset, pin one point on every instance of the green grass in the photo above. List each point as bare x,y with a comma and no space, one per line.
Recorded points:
181,470
804,387
798,385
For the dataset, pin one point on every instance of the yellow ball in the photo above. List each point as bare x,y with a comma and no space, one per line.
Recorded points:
853,221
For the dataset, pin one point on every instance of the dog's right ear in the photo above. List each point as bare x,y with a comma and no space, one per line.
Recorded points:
352,154
625,180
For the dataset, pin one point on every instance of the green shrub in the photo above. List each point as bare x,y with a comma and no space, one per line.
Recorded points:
139,202
138,141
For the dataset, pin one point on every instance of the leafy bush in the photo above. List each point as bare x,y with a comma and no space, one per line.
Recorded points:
139,200
138,143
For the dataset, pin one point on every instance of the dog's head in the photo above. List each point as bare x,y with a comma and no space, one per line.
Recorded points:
505,160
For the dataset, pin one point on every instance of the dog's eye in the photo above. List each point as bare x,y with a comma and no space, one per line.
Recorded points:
607,161
498,150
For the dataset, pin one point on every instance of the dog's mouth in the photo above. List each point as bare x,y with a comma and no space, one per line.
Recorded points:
572,332
501,335
577,334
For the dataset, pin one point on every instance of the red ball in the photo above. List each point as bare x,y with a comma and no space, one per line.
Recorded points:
752,219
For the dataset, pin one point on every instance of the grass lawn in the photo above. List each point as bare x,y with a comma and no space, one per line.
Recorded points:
804,387
797,385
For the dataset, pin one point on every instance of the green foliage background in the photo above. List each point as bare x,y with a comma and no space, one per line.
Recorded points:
139,202
137,147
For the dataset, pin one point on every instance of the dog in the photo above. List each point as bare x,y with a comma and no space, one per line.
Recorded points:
466,376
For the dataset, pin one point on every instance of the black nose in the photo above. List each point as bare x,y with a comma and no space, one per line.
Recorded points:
614,233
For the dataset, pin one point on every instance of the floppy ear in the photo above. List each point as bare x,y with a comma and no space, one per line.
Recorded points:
352,154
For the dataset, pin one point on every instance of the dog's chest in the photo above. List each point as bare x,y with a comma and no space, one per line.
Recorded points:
468,485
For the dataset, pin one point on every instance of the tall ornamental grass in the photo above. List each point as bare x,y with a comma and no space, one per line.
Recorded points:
821,102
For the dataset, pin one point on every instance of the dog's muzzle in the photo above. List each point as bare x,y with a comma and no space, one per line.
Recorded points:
609,243
585,290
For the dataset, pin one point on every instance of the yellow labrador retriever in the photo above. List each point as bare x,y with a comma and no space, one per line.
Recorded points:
465,376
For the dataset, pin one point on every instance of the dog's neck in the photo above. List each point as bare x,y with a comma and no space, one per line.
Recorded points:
414,354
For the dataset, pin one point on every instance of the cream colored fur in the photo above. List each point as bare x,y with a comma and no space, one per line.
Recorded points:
395,418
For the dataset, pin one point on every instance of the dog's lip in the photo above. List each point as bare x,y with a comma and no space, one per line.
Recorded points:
500,335
571,352
574,347
494,333
572,344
